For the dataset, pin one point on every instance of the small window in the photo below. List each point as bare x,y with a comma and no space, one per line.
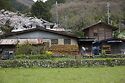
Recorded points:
67,41
54,41
95,34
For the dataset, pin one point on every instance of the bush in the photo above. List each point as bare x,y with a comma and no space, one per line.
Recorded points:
113,56
43,56
25,48
103,54
28,49
109,62
20,57
48,54
40,56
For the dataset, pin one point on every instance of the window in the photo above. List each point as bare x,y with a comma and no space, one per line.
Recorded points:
54,41
67,41
95,34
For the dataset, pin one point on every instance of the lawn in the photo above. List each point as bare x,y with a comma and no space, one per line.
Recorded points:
64,75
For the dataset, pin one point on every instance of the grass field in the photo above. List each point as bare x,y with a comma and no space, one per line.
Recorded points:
64,75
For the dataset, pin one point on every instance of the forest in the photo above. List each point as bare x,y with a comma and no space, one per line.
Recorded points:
74,14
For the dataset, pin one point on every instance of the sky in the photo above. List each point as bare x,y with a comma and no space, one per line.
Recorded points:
42,0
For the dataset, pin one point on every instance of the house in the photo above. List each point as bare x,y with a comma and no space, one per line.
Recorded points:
38,36
113,46
99,31
98,35
21,22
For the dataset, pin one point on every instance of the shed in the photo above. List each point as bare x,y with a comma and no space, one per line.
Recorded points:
113,46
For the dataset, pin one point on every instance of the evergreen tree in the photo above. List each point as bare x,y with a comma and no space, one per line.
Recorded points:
17,6
41,10
5,4
6,28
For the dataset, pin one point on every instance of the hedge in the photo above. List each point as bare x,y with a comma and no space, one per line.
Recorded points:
106,56
113,56
60,64
44,56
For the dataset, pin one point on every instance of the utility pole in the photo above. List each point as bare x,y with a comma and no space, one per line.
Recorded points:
108,12
119,25
65,19
57,15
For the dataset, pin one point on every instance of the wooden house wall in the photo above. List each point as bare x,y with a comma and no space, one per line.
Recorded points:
103,32
116,48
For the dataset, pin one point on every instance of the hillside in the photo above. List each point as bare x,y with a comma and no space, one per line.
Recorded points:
77,14
21,5
26,2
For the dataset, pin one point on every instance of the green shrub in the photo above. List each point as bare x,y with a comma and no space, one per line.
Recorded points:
28,49
23,49
109,62
37,50
103,54
38,56
110,56
48,54
20,57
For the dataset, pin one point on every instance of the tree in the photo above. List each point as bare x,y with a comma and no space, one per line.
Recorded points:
17,6
78,14
6,28
50,3
41,10
5,4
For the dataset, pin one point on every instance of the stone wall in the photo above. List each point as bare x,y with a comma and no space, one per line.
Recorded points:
61,64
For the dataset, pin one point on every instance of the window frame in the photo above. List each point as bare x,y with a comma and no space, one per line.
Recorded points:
95,34
54,41
67,42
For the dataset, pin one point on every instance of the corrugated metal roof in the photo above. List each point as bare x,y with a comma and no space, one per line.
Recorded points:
30,41
113,27
20,41
8,41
